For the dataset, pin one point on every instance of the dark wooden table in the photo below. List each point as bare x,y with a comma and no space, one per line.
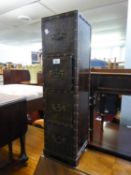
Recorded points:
13,122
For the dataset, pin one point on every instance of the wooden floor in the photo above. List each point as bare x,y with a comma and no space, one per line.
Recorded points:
51,167
91,162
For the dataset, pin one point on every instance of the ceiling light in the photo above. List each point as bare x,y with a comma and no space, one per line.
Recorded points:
24,18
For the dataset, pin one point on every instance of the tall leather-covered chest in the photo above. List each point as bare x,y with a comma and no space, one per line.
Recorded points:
66,54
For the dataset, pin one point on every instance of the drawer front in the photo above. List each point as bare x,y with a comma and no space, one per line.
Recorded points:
59,107
59,140
58,72
58,34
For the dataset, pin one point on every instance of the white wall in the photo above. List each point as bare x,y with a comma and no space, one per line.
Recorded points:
108,45
18,54
126,100
109,53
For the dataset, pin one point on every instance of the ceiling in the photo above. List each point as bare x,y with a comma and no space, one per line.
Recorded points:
107,18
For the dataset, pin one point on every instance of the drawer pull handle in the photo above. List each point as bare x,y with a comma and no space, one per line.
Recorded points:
58,108
58,36
59,139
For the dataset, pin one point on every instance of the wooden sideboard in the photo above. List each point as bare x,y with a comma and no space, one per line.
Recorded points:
104,84
15,76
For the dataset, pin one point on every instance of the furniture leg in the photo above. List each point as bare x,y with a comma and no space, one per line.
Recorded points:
10,151
23,156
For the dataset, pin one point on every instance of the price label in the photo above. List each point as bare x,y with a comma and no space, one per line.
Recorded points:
56,61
